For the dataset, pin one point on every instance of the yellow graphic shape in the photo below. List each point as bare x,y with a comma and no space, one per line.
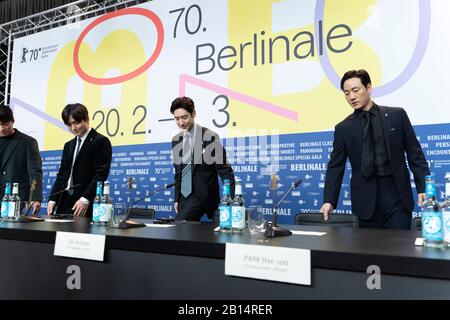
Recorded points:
120,50
319,108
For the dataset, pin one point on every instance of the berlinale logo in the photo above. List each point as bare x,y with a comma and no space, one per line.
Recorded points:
24,55
29,54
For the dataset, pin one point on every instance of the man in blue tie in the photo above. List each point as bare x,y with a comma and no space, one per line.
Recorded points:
86,159
199,158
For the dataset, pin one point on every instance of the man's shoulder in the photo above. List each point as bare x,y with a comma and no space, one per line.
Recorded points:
346,122
97,136
177,137
208,132
389,109
24,138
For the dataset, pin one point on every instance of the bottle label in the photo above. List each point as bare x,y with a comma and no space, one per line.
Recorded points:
446,225
432,226
238,189
226,190
99,189
225,216
238,214
430,190
105,212
96,212
11,210
5,209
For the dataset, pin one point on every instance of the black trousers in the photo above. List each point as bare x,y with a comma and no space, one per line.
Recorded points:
190,208
389,210
66,203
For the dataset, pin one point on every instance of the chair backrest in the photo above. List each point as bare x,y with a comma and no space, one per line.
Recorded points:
334,220
140,213
416,224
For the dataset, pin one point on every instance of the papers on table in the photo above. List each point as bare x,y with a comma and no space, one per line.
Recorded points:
152,225
58,220
308,233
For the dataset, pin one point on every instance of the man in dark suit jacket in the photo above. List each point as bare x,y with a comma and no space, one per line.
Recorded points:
199,149
20,160
86,159
375,139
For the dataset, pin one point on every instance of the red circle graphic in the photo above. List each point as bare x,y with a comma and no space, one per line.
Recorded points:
159,43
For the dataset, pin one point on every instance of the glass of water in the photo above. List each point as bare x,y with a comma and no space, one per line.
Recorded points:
256,222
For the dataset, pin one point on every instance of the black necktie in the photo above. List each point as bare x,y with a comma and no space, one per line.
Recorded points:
77,151
367,167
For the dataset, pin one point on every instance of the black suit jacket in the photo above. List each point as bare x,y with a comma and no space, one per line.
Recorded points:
22,163
399,138
209,161
91,165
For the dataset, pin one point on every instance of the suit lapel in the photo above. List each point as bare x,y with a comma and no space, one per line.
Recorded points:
72,145
9,150
357,131
385,118
198,141
89,139
176,141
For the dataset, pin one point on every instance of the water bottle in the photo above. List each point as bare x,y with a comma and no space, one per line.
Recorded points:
106,206
446,211
97,202
238,209
5,202
14,203
431,217
225,207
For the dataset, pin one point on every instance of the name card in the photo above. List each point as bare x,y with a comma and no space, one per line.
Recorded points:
419,242
268,263
80,245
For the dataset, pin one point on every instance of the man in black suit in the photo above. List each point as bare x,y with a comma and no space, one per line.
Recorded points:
198,158
375,139
20,160
86,159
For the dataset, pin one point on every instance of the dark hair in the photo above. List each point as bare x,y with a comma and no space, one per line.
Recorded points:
6,114
77,111
185,103
362,74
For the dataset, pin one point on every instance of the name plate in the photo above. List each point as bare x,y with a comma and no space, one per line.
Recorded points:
268,263
80,245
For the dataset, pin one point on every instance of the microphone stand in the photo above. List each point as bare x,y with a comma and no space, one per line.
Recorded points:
127,224
33,217
272,228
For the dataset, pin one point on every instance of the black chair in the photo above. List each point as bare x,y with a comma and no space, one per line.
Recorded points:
334,220
141,213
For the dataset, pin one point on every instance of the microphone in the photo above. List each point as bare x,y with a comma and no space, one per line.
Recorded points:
131,183
272,228
65,214
127,224
65,189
